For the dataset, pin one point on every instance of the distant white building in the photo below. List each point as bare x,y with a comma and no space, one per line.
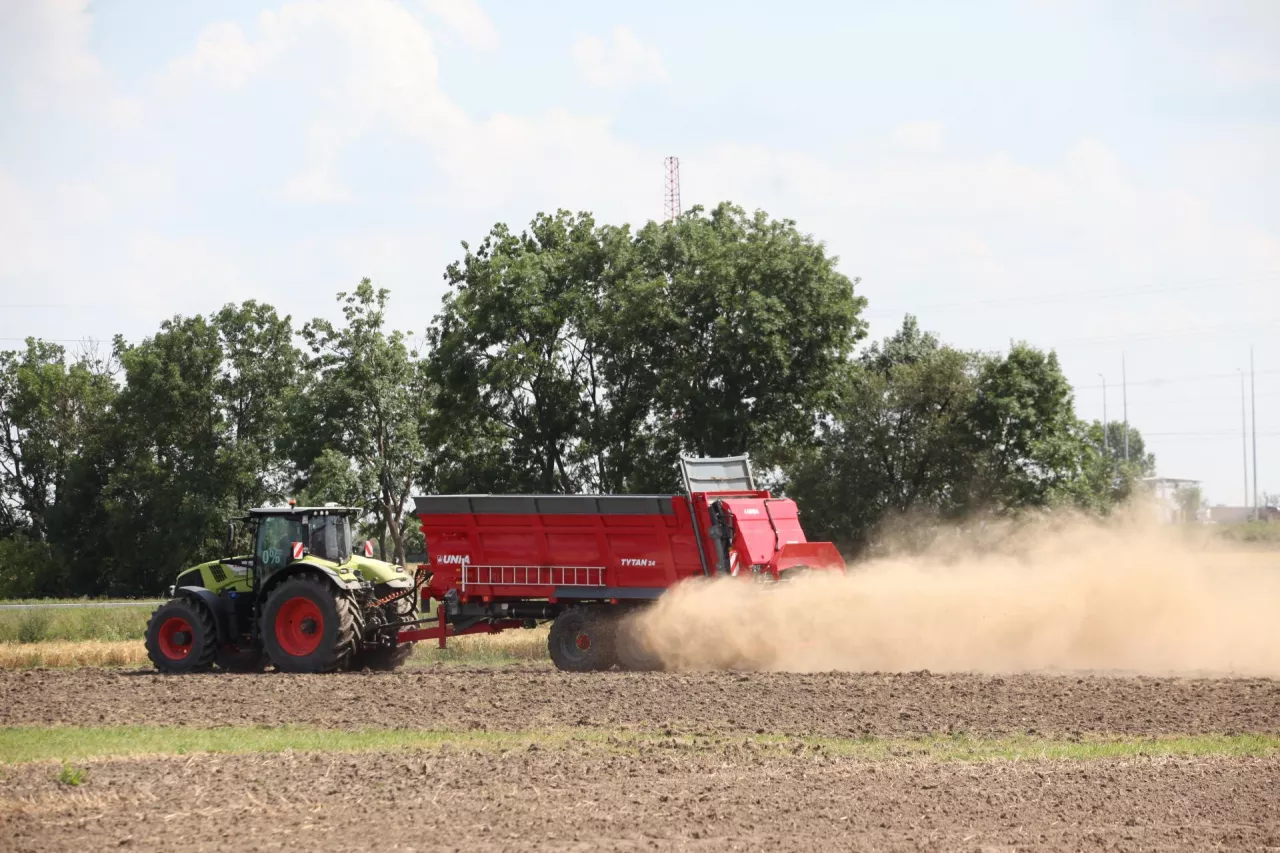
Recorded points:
1230,514
1166,493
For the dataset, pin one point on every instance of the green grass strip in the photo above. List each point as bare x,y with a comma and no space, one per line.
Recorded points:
32,743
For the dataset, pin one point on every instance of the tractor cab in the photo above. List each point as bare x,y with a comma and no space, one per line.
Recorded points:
287,534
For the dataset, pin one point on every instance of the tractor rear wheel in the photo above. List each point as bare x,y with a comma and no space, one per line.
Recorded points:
308,626
581,641
182,637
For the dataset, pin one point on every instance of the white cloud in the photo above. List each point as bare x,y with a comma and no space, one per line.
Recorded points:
222,54
352,67
1245,69
621,62
45,57
466,19
150,267
45,45
957,229
25,242
925,137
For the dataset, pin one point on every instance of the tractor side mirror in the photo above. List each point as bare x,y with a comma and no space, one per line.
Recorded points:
229,547
368,548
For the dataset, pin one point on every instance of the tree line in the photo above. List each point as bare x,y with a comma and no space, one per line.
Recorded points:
569,357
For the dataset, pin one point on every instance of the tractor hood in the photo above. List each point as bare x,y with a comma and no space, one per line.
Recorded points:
375,571
378,571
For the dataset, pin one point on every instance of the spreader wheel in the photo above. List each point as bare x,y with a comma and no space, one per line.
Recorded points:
307,626
581,641
181,637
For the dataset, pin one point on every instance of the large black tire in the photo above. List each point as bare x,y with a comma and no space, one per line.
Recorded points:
582,640
387,658
182,637
308,626
632,648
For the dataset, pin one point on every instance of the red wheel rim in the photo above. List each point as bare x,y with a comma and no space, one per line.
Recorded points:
583,642
299,626
175,638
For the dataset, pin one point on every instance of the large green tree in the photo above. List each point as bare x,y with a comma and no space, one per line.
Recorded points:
573,356
170,480
365,402
255,387
51,410
1106,479
514,356
1024,420
899,439
927,430
47,408
196,438
749,327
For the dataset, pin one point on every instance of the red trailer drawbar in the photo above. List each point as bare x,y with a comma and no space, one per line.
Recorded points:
584,561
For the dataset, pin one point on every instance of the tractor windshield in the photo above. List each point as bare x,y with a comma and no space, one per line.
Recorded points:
326,536
329,537
276,535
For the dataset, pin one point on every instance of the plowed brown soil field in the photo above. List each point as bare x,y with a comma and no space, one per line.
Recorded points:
579,799
658,792
523,698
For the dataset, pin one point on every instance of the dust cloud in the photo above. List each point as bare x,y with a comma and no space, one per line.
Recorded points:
1058,594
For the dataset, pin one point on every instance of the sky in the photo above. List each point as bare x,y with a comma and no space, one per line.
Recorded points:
1099,178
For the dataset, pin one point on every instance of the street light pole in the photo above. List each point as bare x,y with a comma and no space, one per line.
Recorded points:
1244,440
1106,444
1253,407
1124,400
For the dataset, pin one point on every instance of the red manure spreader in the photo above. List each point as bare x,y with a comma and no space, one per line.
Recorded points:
587,561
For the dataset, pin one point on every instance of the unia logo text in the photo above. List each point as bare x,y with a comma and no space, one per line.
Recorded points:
453,560
632,561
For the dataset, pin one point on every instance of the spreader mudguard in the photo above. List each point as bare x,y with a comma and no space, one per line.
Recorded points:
813,555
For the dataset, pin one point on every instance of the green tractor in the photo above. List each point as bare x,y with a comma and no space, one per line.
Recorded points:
302,602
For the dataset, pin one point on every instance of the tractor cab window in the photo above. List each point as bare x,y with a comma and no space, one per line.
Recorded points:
276,535
329,537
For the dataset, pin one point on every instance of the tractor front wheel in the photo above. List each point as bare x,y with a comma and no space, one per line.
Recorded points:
581,641
182,637
308,626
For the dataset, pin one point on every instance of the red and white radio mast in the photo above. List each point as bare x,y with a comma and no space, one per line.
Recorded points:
673,187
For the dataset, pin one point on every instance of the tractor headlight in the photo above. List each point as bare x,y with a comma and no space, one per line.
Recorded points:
170,591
